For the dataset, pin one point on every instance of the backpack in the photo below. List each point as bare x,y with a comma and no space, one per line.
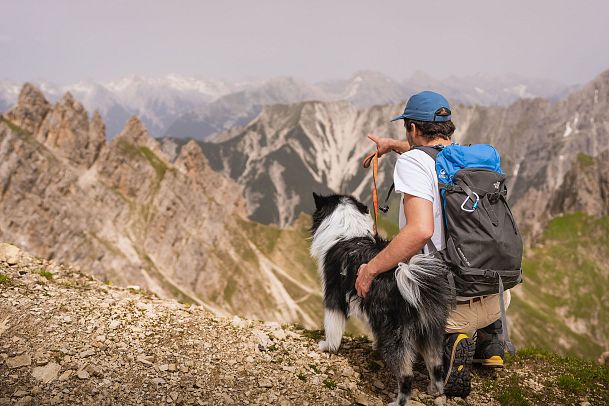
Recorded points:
483,244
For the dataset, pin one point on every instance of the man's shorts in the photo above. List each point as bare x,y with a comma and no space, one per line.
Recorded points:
476,313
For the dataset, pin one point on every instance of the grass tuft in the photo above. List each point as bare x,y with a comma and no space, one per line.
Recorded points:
569,383
329,383
45,274
134,151
313,334
5,280
14,127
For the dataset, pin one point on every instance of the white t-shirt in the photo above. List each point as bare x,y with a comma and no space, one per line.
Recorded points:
415,174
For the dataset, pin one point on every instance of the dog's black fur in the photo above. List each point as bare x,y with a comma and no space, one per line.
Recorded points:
406,307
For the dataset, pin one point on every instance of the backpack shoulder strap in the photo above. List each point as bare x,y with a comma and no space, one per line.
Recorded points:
432,151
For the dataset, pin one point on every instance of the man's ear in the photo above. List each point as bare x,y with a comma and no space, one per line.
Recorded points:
413,129
318,200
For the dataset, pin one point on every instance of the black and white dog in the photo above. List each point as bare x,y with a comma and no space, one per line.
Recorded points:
406,308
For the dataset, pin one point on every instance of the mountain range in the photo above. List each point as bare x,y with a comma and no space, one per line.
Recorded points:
191,107
223,223
290,150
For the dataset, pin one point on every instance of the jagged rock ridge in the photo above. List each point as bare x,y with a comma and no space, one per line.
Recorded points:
132,216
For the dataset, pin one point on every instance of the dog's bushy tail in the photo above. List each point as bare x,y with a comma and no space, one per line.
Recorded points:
423,279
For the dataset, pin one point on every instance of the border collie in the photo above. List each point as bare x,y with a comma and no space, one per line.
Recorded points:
406,307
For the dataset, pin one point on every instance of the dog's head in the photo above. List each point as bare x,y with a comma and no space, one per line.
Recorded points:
326,205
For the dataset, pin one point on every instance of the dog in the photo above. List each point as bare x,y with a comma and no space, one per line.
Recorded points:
406,307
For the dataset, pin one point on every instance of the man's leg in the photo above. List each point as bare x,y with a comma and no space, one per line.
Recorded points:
458,356
489,342
459,349
489,346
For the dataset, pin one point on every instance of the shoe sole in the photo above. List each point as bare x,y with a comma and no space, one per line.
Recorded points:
493,362
458,379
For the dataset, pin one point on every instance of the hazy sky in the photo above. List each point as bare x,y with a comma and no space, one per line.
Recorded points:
65,41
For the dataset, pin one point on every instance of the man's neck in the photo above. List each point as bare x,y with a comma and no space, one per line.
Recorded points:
435,141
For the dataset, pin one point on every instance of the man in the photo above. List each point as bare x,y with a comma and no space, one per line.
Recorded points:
427,120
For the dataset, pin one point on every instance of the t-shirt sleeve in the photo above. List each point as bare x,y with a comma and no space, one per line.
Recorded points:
411,176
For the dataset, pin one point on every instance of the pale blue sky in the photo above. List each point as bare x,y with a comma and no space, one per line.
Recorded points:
70,40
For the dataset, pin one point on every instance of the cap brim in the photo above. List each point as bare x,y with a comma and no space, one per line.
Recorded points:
400,117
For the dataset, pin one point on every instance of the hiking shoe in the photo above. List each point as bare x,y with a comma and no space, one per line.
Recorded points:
489,350
458,354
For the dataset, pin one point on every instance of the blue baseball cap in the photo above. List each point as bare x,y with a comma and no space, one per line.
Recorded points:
426,106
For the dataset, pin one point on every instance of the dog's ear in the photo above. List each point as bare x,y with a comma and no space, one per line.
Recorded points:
318,200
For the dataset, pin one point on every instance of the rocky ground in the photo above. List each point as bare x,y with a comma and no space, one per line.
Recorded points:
66,338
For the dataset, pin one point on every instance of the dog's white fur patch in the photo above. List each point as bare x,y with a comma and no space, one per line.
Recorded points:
345,222
334,324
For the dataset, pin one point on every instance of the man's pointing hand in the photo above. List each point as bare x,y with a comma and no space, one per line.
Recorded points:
383,145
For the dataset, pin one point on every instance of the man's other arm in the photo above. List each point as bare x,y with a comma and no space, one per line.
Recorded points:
409,241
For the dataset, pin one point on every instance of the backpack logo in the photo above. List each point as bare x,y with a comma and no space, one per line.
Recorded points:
496,184
463,257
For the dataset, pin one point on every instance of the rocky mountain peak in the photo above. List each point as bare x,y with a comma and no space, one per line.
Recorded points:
67,131
69,102
97,124
602,78
31,109
136,133
191,159
594,96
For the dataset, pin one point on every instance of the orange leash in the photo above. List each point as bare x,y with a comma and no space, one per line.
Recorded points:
374,157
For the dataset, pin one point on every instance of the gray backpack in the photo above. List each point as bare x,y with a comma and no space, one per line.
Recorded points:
483,244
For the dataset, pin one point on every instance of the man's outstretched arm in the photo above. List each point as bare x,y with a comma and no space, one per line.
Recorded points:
409,241
385,145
